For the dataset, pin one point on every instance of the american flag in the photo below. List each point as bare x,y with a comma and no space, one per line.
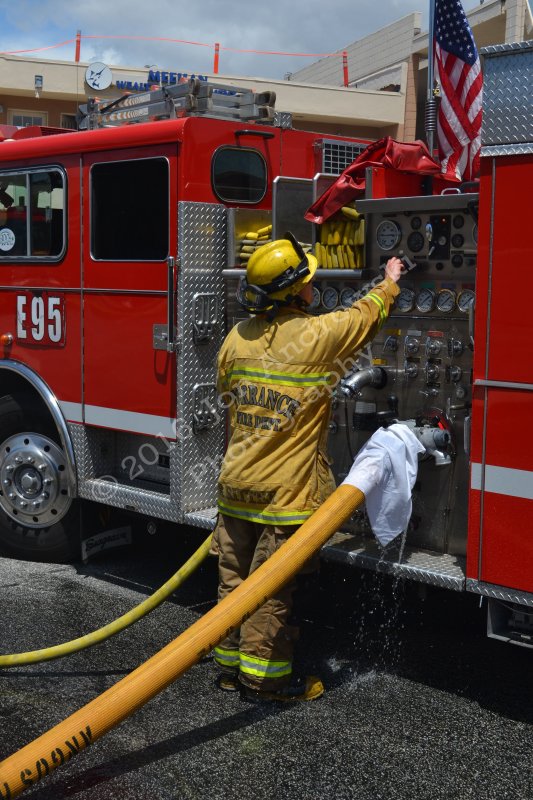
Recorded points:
458,71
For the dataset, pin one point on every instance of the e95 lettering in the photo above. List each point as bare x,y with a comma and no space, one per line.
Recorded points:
41,319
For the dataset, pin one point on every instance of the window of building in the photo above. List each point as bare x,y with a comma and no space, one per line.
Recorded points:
239,175
69,121
22,119
130,210
32,214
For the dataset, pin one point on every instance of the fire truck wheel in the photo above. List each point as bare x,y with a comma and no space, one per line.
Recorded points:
38,519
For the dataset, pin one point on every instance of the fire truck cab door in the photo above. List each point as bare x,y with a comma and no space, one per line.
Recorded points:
130,234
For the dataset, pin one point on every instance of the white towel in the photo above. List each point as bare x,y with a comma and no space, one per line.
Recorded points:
385,470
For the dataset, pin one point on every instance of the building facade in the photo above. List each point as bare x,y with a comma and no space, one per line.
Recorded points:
387,78
395,58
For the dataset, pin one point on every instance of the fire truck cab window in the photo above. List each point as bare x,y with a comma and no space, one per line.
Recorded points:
32,211
239,175
130,210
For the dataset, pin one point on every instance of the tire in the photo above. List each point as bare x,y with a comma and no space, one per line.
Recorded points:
38,519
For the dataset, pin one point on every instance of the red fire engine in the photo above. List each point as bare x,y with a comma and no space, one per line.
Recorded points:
114,242
120,248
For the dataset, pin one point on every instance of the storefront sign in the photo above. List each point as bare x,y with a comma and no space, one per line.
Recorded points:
157,78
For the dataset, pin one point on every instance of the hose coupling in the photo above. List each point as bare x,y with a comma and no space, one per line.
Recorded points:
371,376
436,441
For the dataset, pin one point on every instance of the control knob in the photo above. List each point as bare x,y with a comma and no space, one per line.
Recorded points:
410,369
432,372
454,373
433,346
412,344
455,347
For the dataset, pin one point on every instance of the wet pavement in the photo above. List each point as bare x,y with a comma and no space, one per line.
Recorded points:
419,703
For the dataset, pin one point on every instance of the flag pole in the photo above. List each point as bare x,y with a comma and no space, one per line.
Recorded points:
431,101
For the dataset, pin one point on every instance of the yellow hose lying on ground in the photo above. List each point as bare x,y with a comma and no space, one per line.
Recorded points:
58,745
155,600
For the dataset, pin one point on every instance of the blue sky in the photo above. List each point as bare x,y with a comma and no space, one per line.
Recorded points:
288,26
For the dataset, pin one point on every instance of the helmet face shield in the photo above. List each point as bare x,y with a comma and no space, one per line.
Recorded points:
272,272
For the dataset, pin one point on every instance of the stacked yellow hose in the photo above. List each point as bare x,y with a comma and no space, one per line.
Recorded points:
58,745
155,600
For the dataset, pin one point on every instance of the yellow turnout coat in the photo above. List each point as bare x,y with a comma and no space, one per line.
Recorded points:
277,378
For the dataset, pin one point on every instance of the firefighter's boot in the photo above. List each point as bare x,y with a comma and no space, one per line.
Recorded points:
308,688
228,682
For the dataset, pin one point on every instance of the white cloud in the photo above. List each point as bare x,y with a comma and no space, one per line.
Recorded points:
284,26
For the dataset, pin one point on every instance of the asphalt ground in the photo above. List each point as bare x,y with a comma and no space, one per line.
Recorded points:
419,703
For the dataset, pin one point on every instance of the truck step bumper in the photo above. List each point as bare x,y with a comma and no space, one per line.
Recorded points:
424,566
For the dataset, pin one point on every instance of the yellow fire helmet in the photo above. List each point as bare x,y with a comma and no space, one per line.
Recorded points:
275,274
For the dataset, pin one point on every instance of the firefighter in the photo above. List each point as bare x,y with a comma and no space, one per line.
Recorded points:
276,374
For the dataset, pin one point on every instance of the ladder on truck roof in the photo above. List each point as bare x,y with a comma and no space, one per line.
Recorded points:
194,98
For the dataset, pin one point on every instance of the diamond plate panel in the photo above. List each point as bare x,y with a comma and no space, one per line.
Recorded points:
93,448
282,119
202,254
206,519
506,47
128,457
499,592
97,454
435,569
507,150
139,458
142,501
507,97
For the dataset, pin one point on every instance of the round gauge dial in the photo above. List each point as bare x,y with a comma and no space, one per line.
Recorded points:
416,223
458,240
347,296
315,302
406,300
465,301
458,221
446,301
330,298
474,233
425,301
415,242
388,234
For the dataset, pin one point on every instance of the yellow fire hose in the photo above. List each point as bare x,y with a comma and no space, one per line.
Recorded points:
58,745
141,610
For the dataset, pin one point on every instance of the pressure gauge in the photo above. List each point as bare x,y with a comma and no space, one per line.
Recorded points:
446,301
415,242
315,302
348,296
425,301
330,298
388,234
405,301
465,301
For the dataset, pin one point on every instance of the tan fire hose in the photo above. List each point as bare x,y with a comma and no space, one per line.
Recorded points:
58,745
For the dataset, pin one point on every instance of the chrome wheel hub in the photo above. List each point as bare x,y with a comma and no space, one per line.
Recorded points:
33,480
